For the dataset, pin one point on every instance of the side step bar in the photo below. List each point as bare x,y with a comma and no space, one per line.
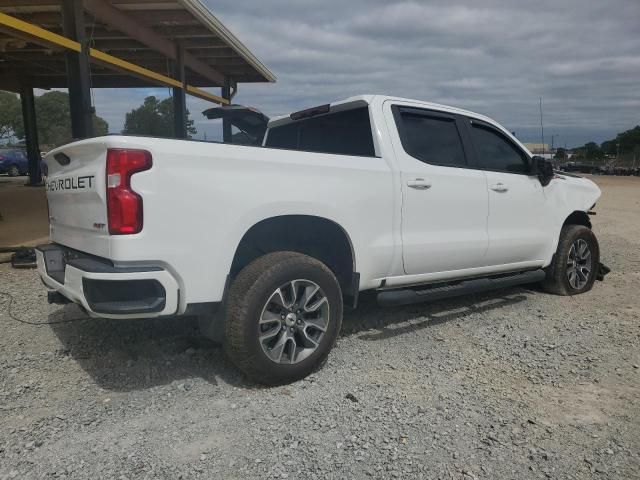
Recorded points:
440,291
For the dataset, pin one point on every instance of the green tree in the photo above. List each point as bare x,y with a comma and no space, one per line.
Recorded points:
609,147
629,139
593,151
625,142
10,114
154,117
54,120
561,154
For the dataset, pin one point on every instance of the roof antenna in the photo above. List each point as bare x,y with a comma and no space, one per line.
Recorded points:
541,128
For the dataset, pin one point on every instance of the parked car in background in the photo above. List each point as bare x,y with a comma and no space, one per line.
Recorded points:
578,167
13,161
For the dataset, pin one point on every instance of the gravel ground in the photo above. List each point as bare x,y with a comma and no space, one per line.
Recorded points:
512,384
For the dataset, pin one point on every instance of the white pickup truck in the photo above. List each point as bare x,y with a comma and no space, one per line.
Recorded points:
266,243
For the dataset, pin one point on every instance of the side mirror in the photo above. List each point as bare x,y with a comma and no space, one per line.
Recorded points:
543,169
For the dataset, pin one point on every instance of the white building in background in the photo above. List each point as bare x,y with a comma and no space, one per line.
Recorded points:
540,149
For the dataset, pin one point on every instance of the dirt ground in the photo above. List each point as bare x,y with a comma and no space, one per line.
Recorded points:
514,384
23,212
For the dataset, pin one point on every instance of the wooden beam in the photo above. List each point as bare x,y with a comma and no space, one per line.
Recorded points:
33,31
15,6
121,21
49,19
186,32
40,35
164,17
149,56
44,80
78,71
179,98
214,46
28,101
214,52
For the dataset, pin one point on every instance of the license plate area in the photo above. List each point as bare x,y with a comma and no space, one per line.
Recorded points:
55,263
56,258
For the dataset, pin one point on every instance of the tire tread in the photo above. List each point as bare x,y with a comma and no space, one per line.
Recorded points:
262,270
555,282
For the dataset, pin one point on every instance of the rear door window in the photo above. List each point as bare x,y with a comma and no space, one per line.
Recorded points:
343,133
430,137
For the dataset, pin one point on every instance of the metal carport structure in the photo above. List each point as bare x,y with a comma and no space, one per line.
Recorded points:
84,44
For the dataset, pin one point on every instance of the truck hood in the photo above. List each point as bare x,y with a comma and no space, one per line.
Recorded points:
578,192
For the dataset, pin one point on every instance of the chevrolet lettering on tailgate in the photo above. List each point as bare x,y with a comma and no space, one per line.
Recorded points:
70,183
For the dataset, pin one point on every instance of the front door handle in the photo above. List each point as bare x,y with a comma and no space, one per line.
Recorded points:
419,183
499,187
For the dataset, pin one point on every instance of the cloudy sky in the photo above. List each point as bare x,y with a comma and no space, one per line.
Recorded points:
496,57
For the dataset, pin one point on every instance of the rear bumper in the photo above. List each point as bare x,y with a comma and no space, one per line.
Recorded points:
105,290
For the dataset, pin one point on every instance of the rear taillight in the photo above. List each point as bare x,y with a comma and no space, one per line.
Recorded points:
124,206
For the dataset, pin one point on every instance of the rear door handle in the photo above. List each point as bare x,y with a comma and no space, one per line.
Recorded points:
499,187
419,183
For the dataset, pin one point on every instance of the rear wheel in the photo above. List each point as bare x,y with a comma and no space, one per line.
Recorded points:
575,263
284,314
13,171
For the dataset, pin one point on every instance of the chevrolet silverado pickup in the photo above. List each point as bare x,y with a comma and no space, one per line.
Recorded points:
265,244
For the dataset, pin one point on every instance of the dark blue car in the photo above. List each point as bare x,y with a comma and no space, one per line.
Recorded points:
13,161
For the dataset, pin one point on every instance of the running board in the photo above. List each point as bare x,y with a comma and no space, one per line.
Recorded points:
439,291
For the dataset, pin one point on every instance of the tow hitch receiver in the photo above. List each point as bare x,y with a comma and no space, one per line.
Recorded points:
602,271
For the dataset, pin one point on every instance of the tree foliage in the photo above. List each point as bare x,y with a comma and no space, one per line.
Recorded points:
10,114
561,154
590,151
154,117
626,144
53,118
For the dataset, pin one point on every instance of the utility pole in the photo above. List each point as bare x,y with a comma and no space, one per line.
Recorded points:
541,127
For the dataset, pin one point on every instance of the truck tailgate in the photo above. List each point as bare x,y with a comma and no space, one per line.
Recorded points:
76,193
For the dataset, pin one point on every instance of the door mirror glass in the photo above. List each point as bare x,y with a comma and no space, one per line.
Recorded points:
543,169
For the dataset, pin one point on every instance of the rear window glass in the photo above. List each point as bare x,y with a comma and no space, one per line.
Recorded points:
342,133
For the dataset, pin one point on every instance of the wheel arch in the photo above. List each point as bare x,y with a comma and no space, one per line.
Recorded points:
318,237
578,217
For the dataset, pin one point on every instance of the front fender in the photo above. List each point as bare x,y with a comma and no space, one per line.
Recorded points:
566,195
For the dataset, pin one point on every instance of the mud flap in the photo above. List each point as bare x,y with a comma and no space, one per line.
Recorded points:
602,271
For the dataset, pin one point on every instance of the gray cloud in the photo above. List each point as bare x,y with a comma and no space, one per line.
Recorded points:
496,57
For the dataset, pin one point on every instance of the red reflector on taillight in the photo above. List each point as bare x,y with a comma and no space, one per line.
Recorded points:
124,206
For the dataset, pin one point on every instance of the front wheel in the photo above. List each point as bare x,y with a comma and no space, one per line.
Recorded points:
575,264
284,314
13,171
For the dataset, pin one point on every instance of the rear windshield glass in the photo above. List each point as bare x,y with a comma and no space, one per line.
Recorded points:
344,133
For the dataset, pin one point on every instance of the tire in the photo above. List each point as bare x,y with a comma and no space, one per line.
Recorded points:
13,171
559,280
211,326
266,345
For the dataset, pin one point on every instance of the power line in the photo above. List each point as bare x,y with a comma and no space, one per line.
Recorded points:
13,316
